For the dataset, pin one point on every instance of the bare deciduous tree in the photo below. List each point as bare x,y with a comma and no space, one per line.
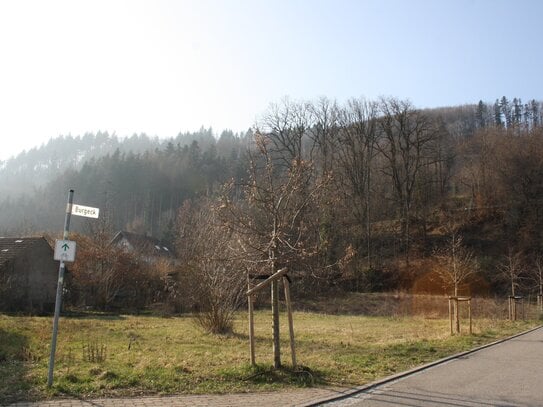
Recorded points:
512,270
457,263
406,134
323,132
286,126
355,151
211,269
271,218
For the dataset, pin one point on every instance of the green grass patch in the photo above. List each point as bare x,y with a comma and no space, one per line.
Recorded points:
137,355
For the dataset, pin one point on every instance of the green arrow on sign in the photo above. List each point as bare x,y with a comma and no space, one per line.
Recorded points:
65,246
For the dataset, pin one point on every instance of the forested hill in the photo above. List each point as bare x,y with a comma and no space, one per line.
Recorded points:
33,168
140,182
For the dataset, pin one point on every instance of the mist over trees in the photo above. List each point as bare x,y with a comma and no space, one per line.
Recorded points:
34,168
138,182
354,195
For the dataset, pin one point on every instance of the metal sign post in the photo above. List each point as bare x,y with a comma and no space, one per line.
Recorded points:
60,284
65,252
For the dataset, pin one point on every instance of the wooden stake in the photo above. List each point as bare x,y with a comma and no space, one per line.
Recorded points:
469,312
252,331
457,315
266,282
250,300
454,313
275,323
450,315
273,280
286,284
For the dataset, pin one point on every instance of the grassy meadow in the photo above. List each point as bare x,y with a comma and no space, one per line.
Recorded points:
135,355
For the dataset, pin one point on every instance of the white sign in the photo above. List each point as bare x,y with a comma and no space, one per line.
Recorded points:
64,250
86,211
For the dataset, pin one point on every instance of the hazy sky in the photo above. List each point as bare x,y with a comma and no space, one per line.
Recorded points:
161,67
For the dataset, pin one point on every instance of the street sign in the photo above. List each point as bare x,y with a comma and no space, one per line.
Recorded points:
86,211
65,250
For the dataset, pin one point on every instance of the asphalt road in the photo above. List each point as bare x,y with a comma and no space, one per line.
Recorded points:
507,374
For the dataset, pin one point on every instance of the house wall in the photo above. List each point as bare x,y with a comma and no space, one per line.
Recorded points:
13,292
36,274
44,271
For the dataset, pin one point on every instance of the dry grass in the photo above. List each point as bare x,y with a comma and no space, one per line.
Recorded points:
153,355
402,304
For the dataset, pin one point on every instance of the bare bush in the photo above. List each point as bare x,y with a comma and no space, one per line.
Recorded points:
216,277
107,277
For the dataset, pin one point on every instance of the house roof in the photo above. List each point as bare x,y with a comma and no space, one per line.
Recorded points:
13,247
144,244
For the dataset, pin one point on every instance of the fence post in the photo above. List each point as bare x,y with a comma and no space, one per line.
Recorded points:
250,300
286,284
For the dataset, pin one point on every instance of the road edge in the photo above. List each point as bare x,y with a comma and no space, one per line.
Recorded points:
361,389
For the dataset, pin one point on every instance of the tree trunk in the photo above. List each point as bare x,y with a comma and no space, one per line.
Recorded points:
368,218
457,315
406,234
456,308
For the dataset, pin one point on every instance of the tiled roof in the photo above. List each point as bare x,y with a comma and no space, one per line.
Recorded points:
12,247
144,244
